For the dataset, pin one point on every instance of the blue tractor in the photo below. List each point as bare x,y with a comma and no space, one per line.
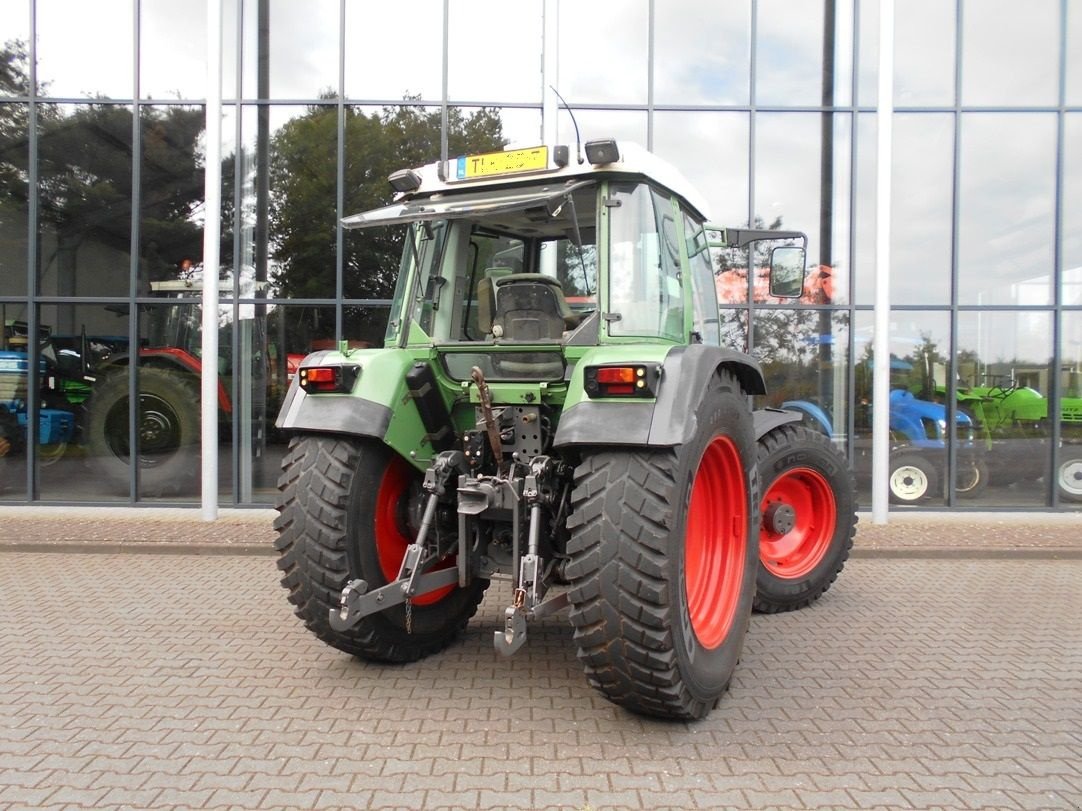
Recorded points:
918,447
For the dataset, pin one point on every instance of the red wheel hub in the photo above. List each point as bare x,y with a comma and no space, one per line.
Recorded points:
716,542
799,519
391,533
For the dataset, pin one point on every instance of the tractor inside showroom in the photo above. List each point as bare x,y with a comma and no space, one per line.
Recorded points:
553,408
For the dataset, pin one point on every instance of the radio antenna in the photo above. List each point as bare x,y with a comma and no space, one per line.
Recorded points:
578,140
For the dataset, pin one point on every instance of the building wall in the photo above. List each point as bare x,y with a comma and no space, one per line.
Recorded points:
768,105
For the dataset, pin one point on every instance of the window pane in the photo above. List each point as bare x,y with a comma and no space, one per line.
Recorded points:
15,349
1072,209
14,205
1070,477
15,51
924,36
86,355
302,220
1005,63
170,233
1006,221
1074,54
789,54
85,199
796,189
300,47
72,60
375,65
708,62
868,76
621,125
694,143
173,50
609,68
1003,360
922,203
489,59
864,211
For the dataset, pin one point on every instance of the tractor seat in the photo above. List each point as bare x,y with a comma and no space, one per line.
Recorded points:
531,307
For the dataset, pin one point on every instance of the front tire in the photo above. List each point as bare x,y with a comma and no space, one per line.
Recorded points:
344,514
1069,474
912,478
808,517
663,557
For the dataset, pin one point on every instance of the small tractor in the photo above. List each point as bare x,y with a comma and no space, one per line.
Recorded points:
552,408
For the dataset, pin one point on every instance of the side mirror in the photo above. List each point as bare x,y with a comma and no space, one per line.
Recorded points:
787,272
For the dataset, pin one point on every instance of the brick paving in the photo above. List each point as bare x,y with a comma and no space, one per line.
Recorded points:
145,681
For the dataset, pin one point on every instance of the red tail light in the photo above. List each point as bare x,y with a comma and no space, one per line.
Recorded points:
623,380
319,379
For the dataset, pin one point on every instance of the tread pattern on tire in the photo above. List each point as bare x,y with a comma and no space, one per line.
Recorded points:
790,436
313,502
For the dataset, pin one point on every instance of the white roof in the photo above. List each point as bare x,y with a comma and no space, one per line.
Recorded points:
634,160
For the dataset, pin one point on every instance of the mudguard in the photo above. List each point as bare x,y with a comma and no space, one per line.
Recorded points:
766,420
664,422
342,413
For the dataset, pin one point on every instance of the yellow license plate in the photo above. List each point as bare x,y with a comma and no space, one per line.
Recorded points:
503,163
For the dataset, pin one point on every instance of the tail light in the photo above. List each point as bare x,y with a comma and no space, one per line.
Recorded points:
323,379
621,380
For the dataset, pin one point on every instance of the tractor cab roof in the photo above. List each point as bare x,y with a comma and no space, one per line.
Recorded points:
517,180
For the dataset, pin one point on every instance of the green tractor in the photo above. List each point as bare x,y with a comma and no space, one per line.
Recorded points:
552,407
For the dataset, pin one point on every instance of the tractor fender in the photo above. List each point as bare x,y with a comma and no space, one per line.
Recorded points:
812,412
669,419
765,420
169,358
336,413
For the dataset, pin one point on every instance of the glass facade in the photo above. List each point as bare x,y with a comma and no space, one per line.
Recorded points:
768,106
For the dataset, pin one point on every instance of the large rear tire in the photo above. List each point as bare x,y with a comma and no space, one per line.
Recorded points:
663,557
808,517
168,428
346,511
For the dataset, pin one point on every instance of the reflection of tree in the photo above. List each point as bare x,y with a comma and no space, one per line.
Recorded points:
85,166
303,182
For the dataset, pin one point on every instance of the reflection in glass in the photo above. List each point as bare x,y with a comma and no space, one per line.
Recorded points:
171,196
491,58
14,197
623,125
864,210
922,203
84,351
705,63
789,52
1003,377
1004,63
1069,464
291,49
173,50
1072,209
1006,223
924,36
14,51
15,348
608,69
84,199
1073,89
73,57
800,187
734,328
374,35
711,150
379,142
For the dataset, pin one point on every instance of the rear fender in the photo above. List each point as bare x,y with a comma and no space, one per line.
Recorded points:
379,406
665,421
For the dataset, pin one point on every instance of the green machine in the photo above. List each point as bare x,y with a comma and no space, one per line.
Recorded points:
553,408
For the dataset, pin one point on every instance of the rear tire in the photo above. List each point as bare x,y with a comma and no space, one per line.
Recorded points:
808,517
912,479
663,557
168,430
343,514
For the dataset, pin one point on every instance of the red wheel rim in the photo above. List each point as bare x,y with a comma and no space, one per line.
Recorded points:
792,548
390,531
716,543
